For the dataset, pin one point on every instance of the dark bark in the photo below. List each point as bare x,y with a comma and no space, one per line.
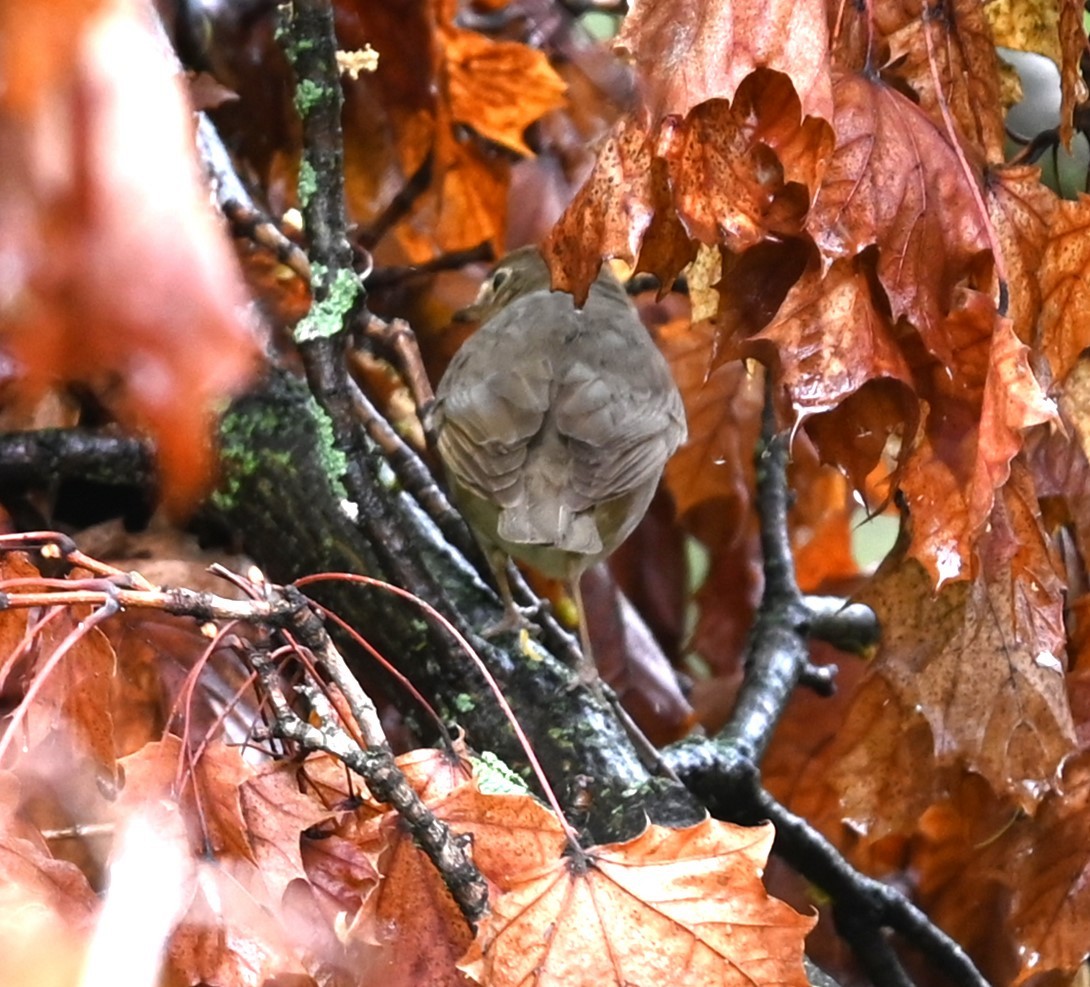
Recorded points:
278,495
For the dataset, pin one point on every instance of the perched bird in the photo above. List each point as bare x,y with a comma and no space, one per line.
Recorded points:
554,422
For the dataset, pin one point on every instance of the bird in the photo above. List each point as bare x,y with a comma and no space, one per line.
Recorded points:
554,423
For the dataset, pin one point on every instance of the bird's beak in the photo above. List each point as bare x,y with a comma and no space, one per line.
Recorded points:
471,313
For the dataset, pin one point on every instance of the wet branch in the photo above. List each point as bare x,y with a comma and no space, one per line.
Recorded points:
724,771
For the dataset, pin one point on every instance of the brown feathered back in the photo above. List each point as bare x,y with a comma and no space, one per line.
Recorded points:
554,423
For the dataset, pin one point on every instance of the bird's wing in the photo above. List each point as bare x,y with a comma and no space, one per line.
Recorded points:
621,414
486,425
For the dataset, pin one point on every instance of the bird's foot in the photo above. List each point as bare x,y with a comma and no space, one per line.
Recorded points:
586,677
514,620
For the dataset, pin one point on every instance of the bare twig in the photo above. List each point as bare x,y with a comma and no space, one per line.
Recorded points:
236,203
283,611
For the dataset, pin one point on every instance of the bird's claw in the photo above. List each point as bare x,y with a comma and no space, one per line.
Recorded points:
515,619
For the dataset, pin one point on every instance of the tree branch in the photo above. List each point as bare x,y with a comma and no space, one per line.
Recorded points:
724,771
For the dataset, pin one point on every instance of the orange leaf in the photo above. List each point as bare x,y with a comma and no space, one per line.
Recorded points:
740,171
830,339
1021,209
691,52
234,935
671,906
1065,286
722,407
498,88
276,813
1051,880
876,773
981,401
43,902
74,701
1030,874
960,49
895,181
408,929
625,194
121,276
1072,46
983,661
206,788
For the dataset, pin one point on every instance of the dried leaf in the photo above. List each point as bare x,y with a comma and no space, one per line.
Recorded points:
966,840
983,661
957,49
895,181
1065,286
831,340
75,698
1073,44
722,407
234,935
409,929
498,88
43,902
879,771
1046,867
1021,209
741,171
729,173
610,215
1026,25
207,788
276,813
692,52
1031,871
629,658
671,906
981,401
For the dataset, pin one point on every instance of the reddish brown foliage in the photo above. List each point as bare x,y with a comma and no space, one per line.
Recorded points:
920,307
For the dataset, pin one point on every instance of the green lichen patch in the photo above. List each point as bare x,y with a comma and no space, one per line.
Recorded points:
327,317
334,461
494,777
308,94
308,182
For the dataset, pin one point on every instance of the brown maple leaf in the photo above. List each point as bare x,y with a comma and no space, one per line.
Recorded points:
980,401
983,660
402,923
691,52
733,173
683,907
831,340
1021,209
1064,330
895,181
498,88
207,787
957,51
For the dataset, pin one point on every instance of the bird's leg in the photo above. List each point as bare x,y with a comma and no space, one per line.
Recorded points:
588,670
587,675
515,618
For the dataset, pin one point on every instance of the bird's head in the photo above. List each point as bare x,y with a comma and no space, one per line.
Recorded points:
519,273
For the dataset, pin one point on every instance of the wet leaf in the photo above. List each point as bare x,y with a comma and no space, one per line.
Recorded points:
692,52
678,906
983,660
895,181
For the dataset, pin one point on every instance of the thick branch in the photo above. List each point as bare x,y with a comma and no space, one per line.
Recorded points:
279,495
724,772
